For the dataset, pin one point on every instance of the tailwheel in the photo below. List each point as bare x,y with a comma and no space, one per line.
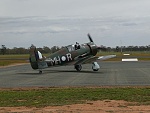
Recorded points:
78,67
40,71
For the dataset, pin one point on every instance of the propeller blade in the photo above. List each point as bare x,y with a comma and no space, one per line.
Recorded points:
90,38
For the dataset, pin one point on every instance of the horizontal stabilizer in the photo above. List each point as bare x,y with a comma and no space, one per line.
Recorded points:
42,65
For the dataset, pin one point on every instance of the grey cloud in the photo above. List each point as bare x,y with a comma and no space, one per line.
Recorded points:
85,8
107,31
55,22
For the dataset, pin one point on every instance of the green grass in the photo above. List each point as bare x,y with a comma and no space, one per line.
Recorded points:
6,60
23,56
65,96
10,62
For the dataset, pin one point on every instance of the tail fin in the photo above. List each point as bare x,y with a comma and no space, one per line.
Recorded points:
36,59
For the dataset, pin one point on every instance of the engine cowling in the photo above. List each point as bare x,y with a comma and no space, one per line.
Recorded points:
93,48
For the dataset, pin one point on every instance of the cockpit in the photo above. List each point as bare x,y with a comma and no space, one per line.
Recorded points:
73,47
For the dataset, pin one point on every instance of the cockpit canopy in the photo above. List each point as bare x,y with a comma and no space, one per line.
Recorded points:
73,47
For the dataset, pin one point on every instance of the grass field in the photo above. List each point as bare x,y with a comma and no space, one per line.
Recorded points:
13,59
65,96
6,60
142,56
14,56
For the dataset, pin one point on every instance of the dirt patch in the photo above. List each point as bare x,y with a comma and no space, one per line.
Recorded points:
106,106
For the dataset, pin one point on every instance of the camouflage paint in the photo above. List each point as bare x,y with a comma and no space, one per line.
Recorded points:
64,56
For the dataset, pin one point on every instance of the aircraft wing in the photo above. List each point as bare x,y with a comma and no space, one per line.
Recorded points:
106,57
91,59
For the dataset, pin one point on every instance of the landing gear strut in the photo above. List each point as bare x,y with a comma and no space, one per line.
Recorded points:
78,67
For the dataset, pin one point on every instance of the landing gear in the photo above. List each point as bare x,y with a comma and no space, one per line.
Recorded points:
40,71
95,69
95,66
78,67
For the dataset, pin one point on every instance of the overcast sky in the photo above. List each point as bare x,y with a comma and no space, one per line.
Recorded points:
63,22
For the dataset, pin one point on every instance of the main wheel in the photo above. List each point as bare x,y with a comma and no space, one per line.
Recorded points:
78,67
95,69
95,66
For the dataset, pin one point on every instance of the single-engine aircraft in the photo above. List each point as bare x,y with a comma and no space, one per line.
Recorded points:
75,54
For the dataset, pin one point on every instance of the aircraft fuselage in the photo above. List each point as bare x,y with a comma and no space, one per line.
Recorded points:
67,55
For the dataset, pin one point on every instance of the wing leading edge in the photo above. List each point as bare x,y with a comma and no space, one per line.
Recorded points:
91,59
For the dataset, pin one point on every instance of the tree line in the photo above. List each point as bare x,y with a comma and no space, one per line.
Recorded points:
45,49
22,50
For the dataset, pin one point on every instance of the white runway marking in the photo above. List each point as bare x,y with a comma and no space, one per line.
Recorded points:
129,59
126,54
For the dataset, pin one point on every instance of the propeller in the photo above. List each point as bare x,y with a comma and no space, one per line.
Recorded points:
94,47
90,38
97,47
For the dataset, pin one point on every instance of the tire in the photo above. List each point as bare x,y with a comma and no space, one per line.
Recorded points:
78,67
95,69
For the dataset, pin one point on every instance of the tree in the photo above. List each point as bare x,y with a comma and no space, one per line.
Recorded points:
46,49
54,49
3,50
117,48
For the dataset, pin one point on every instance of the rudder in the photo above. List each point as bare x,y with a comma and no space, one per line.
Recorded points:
36,59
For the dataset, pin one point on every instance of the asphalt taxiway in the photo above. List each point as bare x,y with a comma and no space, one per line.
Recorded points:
110,74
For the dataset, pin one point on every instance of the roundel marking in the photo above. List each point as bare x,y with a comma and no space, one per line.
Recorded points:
63,58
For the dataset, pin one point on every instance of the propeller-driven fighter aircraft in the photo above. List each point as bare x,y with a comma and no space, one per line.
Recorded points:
75,54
